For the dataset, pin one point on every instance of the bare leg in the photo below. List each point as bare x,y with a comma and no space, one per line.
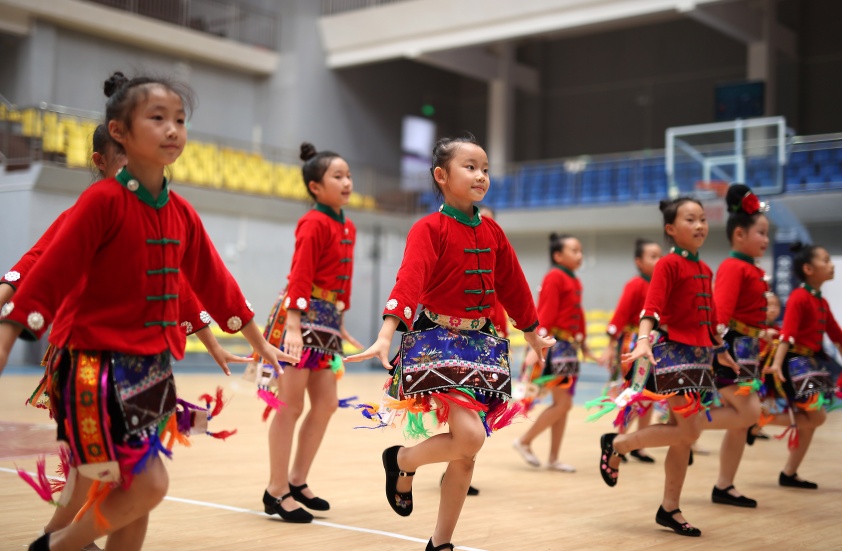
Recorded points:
291,392
563,400
467,437
734,440
807,425
547,418
321,388
124,510
64,515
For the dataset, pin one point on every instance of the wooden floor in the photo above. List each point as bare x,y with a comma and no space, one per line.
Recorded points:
214,500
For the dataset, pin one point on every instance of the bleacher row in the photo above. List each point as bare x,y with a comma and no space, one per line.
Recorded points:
67,138
642,180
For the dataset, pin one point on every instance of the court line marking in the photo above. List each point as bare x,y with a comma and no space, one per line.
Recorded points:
262,514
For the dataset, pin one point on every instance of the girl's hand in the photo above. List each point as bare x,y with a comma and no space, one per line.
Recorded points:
724,358
9,333
262,349
538,344
608,356
587,355
643,348
293,342
775,369
770,335
346,336
531,358
222,358
379,350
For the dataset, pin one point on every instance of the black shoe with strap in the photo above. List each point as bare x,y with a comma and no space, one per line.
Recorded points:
272,506
665,518
441,547
723,497
642,456
41,544
792,481
400,502
314,503
608,473
750,436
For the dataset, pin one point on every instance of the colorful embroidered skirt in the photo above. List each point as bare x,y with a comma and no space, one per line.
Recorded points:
807,381
746,351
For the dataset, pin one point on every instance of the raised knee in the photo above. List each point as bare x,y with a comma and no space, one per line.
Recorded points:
471,443
690,434
818,417
751,413
157,487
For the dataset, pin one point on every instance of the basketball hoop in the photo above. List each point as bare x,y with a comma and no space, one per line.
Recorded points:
719,187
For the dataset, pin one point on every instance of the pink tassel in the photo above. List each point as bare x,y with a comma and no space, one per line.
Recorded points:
42,485
503,416
269,397
217,400
223,434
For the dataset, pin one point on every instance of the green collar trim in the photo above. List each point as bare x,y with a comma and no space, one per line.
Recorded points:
647,278
130,183
460,216
813,291
330,212
685,254
567,271
740,256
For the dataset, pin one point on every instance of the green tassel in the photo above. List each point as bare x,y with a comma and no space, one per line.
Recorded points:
605,407
415,426
337,365
544,379
833,404
754,385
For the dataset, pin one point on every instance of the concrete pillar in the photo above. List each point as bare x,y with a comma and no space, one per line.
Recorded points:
762,55
501,111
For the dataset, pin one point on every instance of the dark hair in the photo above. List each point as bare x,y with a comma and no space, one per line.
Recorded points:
101,141
557,243
124,95
641,244
738,217
443,152
669,208
316,164
803,254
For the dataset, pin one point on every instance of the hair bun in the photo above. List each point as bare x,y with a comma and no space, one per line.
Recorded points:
114,83
735,195
308,151
664,204
796,247
553,237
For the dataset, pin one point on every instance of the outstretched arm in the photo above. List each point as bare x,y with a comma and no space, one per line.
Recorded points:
221,356
380,348
263,349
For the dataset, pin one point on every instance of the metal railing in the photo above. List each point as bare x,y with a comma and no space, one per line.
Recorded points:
331,7
223,18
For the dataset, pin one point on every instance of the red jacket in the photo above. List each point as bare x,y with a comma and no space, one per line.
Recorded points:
680,298
500,321
126,251
629,306
560,304
739,292
807,318
462,267
324,256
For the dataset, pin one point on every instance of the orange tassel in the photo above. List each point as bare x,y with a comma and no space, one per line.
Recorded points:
743,391
765,420
692,406
96,495
172,434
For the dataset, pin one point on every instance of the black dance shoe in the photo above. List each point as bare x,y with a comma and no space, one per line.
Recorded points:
664,518
43,544
401,503
272,506
723,497
750,436
642,457
609,474
441,547
314,503
793,482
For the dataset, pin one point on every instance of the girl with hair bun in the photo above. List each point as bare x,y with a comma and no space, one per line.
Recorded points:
307,321
622,329
561,316
459,266
740,295
676,365
798,360
112,276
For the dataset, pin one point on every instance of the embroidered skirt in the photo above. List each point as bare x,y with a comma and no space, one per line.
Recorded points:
746,351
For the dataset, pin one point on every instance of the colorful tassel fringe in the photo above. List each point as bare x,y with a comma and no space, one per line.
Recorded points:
41,484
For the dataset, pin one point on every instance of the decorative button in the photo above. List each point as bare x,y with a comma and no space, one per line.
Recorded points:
249,306
391,304
135,420
580,337
340,306
12,276
684,254
721,329
407,313
188,327
514,323
204,316
7,309
681,381
542,332
286,303
133,185
301,303
309,340
408,378
346,231
35,321
493,376
612,329
234,323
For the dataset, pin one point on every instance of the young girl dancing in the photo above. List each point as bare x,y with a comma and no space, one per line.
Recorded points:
740,297
561,315
622,329
680,303
458,266
124,244
308,320
798,361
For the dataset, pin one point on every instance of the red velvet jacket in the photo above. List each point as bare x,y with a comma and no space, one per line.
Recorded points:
807,318
324,256
739,292
560,304
462,267
629,306
680,298
126,251
500,321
